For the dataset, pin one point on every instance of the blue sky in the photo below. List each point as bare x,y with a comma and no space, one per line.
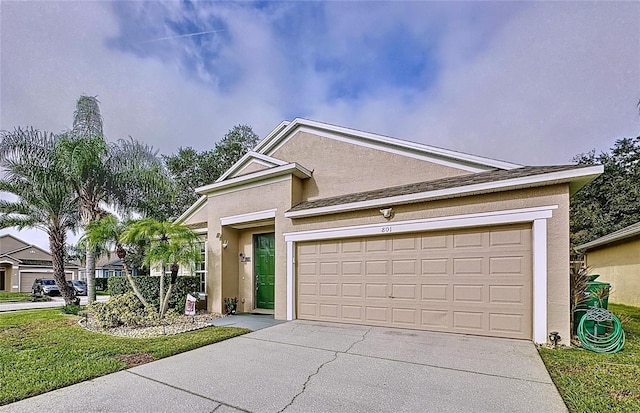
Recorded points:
528,82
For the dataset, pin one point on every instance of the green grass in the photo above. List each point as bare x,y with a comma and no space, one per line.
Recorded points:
42,350
13,297
102,293
592,382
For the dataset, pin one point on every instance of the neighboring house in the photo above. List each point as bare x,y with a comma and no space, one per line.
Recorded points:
322,222
106,266
21,263
616,257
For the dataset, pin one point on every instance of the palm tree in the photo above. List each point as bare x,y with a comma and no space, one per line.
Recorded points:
44,200
167,243
105,234
124,175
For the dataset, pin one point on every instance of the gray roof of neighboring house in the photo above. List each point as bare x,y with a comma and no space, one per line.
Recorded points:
439,184
631,231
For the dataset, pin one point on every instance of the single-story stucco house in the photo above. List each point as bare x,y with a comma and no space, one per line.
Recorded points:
21,263
106,266
616,257
321,222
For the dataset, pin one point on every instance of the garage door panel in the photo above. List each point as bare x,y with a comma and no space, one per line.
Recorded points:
404,267
377,314
377,245
468,293
434,266
507,294
468,265
404,291
476,281
435,292
329,268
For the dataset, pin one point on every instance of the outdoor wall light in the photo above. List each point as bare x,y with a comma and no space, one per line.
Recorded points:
387,213
225,244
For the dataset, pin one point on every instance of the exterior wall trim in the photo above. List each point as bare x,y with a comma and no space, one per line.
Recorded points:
537,215
288,169
251,216
540,280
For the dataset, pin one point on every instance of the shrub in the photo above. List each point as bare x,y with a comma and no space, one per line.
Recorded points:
149,288
71,309
123,309
102,284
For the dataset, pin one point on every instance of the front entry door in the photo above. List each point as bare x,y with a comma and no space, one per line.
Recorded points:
2,286
264,270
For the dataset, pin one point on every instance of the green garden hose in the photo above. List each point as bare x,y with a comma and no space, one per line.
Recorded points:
610,342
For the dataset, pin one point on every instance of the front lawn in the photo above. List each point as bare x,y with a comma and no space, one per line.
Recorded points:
592,382
13,297
42,350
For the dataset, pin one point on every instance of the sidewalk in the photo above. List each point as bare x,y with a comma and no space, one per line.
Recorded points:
55,302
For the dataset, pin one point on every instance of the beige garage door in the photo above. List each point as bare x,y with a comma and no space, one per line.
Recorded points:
475,281
27,279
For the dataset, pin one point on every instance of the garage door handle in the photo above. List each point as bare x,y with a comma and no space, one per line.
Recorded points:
391,296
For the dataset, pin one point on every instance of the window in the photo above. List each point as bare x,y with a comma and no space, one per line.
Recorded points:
201,267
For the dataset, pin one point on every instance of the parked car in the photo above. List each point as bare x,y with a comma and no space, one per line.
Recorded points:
79,286
45,286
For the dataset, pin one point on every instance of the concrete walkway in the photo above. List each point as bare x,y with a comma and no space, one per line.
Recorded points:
55,302
303,366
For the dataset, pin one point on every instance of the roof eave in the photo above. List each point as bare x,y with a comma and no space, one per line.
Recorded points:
291,168
607,239
552,178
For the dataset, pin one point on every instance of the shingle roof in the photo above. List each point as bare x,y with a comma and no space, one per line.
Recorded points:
439,184
621,234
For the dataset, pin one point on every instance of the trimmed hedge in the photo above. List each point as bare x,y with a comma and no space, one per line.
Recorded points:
150,286
102,284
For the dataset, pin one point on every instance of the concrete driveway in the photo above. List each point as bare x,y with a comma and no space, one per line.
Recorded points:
322,367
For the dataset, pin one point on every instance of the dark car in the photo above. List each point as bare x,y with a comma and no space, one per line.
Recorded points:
79,286
45,286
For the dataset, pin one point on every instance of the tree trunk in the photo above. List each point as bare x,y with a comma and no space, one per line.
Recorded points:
161,294
91,275
174,276
56,245
122,255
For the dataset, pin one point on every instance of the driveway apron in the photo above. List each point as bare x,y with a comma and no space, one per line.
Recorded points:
303,366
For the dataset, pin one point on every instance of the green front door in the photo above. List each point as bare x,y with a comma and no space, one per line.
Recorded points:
264,270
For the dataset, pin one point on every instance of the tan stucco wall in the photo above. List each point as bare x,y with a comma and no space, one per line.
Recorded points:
223,264
618,265
198,218
557,233
249,168
342,168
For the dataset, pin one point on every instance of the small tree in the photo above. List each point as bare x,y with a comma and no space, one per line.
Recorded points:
167,244
106,234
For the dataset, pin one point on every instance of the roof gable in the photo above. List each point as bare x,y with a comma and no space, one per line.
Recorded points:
16,247
248,159
9,243
471,163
